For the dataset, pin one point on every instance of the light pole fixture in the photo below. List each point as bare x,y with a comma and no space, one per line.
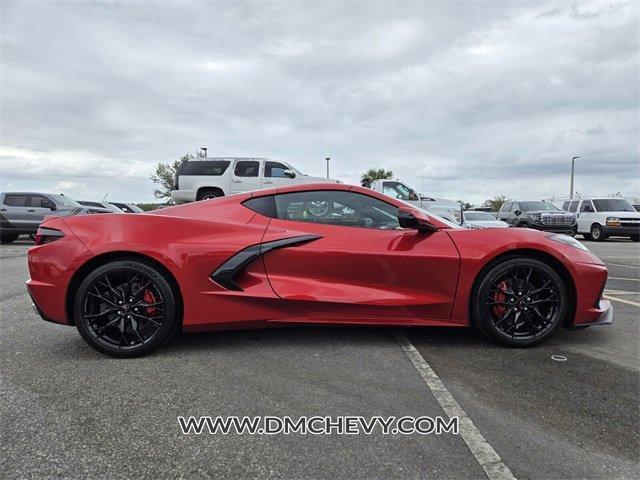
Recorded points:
573,168
328,159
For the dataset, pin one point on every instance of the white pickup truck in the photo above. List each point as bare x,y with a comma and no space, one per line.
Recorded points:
448,209
205,178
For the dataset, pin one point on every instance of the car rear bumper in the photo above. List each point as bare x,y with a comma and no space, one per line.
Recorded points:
183,196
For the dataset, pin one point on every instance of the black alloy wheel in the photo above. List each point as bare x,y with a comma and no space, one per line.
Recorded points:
126,308
520,302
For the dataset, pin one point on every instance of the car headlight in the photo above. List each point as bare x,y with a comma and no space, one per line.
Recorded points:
559,237
536,217
613,222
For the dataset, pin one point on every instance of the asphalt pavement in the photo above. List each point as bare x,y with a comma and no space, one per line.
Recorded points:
70,412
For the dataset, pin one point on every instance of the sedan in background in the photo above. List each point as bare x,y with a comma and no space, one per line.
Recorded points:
476,219
100,207
128,207
263,259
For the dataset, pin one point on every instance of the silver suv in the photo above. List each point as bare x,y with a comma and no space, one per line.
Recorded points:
22,212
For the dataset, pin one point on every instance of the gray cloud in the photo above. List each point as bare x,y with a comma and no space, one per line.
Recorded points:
463,101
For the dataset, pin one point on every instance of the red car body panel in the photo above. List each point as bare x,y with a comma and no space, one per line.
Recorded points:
347,275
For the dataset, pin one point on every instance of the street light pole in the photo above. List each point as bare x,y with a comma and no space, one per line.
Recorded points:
573,168
327,159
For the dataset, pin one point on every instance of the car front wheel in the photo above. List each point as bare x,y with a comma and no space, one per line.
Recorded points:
8,238
520,302
126,308
597,234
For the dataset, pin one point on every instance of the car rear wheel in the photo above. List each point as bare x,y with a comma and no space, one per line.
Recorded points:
520,302
210,193
8,238
597,234
126,308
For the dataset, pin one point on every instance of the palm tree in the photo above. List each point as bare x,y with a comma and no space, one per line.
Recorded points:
377,174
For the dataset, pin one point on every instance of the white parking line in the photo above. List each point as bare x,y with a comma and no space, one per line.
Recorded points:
627,279
486,456
622,265
629,302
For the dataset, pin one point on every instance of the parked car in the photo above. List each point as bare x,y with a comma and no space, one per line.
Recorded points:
207,178
539,215
127,207
478,219
254,260
600,218
22,212
395,188
99,207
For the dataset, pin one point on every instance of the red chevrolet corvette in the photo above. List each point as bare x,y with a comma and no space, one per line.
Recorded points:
321,254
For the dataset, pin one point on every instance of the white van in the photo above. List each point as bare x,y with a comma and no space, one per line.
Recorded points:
205,178
600,218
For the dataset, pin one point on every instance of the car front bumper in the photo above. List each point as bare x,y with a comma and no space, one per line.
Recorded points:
621,231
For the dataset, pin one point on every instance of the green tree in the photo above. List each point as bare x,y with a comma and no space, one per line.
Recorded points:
466,205
377,174
164,176
495,203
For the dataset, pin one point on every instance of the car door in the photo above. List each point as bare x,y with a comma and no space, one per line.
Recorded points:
275,176
38,207
246,176
13,211
585,215
504,212
358,262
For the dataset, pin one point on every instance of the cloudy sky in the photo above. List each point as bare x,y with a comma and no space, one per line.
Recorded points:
460,100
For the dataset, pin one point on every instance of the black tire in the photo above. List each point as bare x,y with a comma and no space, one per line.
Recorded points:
6,238
587,236
523,225
635,238
209,193
597,233
116,304
503,304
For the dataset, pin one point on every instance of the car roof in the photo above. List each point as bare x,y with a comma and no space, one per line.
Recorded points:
26,193
225,158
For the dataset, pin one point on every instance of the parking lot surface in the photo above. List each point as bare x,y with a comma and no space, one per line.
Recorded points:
68,411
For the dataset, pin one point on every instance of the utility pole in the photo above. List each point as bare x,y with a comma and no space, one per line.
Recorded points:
328,159
573,168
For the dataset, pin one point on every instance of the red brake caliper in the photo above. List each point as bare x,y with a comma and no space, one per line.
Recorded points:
500,297
149,297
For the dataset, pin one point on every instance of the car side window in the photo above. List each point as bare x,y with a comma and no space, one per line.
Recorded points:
275,170
36,201
247,168
574,206
344,209
506,207
12,200
565,206
514,206
585,204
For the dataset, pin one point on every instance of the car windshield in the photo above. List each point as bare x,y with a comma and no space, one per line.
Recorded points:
478,216
66,201
612,205
538,207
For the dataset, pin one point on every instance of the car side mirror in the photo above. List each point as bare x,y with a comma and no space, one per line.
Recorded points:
290,173
44,203
517,213
413,196
415,220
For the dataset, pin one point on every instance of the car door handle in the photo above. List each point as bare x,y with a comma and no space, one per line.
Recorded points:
31,211
3,209
236,181
268,182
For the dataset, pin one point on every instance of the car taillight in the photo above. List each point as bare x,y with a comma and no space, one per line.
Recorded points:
47,235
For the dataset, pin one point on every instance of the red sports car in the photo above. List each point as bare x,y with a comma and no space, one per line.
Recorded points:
321,254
